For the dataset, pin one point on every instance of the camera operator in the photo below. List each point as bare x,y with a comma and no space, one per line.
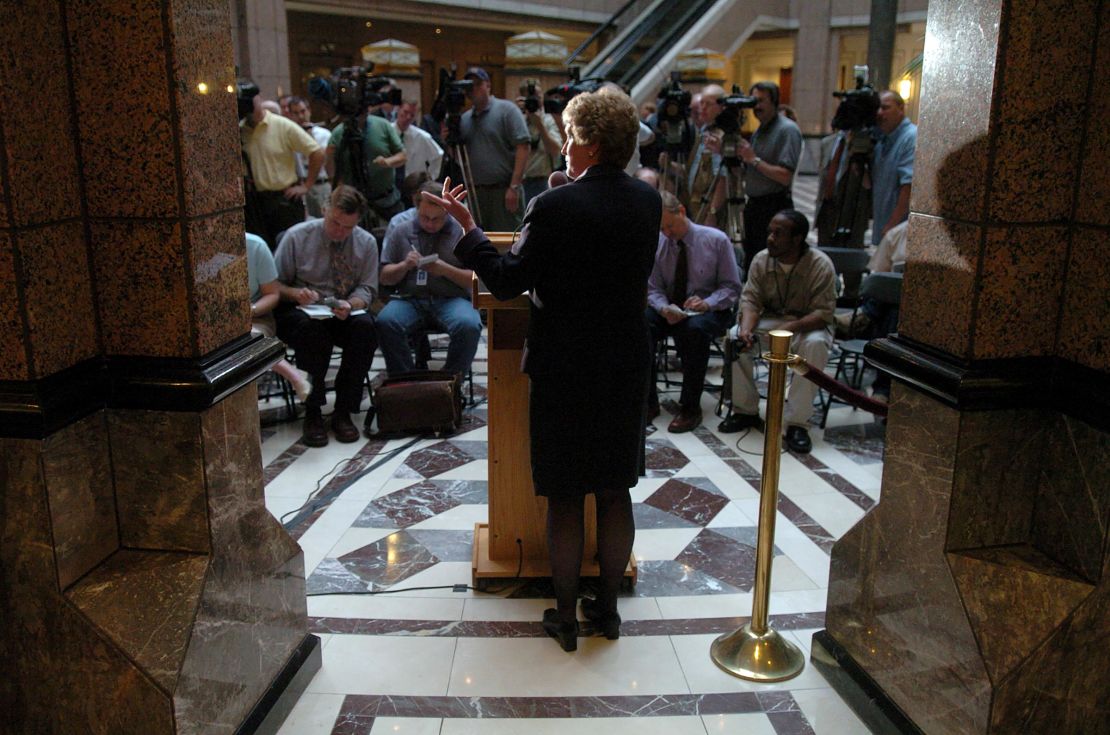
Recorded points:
545,142
497,140
770,159
706,160
892,170
270,144
382,152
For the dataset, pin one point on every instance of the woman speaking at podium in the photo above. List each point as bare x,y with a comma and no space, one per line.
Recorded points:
585,252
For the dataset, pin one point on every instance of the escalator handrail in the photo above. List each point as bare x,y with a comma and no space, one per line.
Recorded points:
634,37
599,30
665,42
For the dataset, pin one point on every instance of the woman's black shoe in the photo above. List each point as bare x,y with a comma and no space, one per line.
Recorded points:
565,633
606,623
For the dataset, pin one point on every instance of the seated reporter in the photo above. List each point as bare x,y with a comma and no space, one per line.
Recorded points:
692,292
791,286
330,262
431,296
584,254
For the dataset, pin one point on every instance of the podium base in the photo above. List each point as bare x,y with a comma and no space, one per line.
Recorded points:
485,570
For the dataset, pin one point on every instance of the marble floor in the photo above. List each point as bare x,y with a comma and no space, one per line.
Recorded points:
396,517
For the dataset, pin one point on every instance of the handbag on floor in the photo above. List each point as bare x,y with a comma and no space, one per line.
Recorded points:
420,400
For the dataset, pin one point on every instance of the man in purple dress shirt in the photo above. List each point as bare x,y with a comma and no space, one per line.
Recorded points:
692,294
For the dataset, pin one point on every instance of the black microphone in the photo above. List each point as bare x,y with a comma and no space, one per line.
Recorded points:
557,178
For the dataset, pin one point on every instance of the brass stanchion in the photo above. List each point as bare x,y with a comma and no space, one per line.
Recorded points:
755,651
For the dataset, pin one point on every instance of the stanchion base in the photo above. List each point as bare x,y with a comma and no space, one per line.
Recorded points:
763,657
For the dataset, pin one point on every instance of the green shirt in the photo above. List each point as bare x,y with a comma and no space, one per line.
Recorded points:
379,139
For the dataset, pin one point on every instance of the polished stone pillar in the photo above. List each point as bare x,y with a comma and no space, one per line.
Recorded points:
814,54
975,597
144,588
262,44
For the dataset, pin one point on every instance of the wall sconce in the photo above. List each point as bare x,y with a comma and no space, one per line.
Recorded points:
905,87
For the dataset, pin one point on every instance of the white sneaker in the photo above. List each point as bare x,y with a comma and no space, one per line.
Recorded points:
302,386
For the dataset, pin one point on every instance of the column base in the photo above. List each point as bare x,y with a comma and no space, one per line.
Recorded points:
275,705
858,690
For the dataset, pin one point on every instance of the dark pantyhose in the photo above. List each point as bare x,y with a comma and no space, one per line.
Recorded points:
616,531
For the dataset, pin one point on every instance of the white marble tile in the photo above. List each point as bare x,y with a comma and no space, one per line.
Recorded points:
406,726
834,512
476,470
691,725
403,665
755,723
802,551
356,538
731,517
390,607
827,713
662,543
460,518
786,576
862,476
314,714
645,487
538,667
704,675
725,478
315,467
319,539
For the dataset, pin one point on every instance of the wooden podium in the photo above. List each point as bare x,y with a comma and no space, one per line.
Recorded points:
514,541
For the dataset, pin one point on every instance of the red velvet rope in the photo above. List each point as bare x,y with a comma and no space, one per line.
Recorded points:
844,392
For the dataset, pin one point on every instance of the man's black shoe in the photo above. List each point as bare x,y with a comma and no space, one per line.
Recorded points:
343,428
739,421
797,440
314,434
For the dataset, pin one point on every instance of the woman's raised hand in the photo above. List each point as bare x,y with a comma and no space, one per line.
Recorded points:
451,200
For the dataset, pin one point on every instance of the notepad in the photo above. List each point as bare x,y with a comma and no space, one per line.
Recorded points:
319,311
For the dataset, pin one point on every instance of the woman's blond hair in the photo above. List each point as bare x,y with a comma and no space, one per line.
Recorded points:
606,117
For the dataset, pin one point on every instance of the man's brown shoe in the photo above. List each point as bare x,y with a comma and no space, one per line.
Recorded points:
314,434
686,420
343,428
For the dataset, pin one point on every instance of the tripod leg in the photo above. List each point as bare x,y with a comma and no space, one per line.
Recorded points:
463,157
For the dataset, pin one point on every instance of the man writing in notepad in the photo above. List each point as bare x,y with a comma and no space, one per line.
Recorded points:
330,266
692,294
432,288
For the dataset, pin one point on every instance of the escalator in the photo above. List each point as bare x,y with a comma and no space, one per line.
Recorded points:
637,49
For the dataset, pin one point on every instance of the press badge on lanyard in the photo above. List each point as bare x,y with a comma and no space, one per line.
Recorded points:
421,277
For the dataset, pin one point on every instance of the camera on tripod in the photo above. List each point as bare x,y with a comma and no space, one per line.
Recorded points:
245,92
556,98
673,110
858,107
352,90
730,120
450,101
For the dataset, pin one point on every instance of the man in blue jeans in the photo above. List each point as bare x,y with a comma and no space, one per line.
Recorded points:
432,289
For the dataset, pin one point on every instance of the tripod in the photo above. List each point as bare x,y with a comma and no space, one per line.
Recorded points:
731,171
852,197
458,153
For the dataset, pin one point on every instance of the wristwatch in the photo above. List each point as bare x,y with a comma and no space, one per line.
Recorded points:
755,162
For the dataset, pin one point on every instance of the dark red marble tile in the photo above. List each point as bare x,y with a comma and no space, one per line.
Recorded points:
142,288
13,349
37,122
207,122
1085,323
220,300
687,501
127,129
437,459
57,292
